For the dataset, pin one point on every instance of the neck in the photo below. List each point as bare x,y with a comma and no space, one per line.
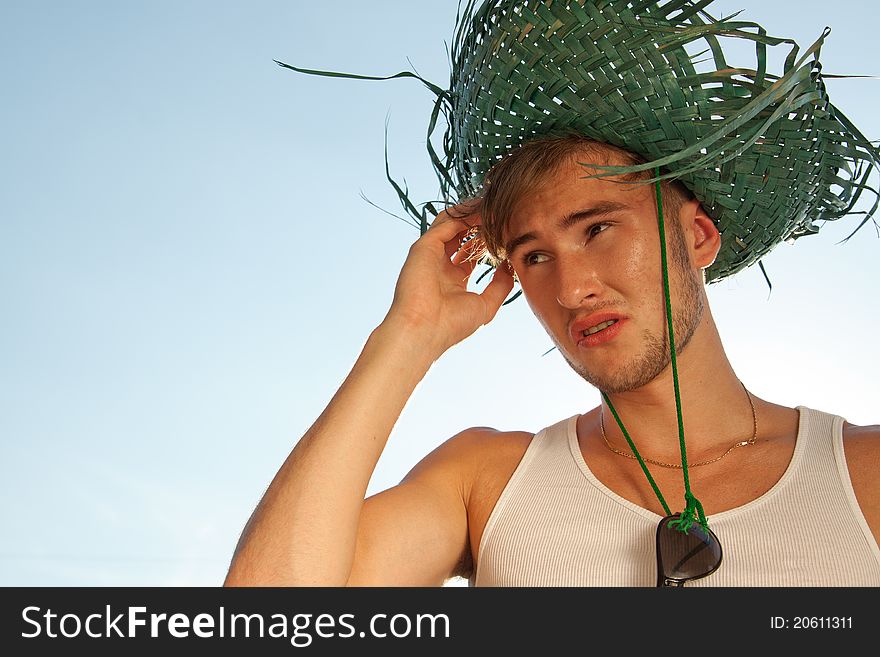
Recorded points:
715,408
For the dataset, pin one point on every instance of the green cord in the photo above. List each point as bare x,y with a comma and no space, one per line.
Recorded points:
637,455
693,511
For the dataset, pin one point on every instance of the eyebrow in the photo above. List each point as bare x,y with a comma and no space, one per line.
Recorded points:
569,220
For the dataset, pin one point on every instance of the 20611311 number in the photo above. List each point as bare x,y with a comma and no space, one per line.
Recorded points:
812,623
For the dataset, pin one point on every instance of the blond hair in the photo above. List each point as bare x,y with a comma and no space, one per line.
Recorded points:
532,164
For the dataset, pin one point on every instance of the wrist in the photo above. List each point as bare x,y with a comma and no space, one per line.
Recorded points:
408,341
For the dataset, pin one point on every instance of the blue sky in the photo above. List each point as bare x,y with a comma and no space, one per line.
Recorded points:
187,269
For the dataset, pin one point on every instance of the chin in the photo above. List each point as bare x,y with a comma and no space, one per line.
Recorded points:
632,375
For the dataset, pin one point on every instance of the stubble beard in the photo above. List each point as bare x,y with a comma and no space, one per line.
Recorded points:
654,357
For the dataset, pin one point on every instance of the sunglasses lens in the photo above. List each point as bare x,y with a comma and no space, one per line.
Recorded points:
690,555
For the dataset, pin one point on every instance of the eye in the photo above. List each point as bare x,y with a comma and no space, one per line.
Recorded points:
533,258
595,229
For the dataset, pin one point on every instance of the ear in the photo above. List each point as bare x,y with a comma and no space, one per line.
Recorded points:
702,235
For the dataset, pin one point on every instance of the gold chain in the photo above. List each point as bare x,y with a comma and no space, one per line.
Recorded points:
742,443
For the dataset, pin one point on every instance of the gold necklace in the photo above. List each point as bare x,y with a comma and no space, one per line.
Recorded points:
742,443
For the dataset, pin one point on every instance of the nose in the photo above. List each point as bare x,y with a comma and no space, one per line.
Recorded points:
578,282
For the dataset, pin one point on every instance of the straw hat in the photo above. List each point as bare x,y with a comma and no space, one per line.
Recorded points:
768,155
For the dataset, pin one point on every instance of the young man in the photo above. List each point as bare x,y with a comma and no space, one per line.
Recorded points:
792,494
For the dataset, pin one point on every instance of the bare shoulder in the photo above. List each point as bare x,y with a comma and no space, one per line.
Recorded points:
419,531
474,466
473,454
489,459
866,433
861,445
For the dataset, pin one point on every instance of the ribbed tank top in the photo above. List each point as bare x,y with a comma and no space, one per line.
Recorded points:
556,524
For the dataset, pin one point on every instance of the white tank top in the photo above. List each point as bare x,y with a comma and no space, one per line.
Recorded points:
556,524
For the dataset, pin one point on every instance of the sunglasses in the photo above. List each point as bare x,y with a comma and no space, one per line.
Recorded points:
681,556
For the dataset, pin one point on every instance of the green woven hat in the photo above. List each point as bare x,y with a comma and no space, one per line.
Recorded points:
768,156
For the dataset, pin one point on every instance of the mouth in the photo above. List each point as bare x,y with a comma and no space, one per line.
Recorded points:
598,327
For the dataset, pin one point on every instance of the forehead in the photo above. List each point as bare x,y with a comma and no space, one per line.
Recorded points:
569,189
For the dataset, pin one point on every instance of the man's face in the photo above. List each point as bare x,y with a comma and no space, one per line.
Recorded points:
587,254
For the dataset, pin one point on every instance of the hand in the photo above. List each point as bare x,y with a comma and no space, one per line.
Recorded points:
431,299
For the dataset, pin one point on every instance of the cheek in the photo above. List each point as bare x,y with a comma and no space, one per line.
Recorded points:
641,262
640,271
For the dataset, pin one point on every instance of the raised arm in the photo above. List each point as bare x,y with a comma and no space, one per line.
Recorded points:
305,530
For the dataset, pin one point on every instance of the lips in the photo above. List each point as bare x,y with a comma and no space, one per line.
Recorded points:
596,328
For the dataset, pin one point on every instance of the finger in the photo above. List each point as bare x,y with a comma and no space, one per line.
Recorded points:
442,236
445,228
453,246
496,291
468,210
